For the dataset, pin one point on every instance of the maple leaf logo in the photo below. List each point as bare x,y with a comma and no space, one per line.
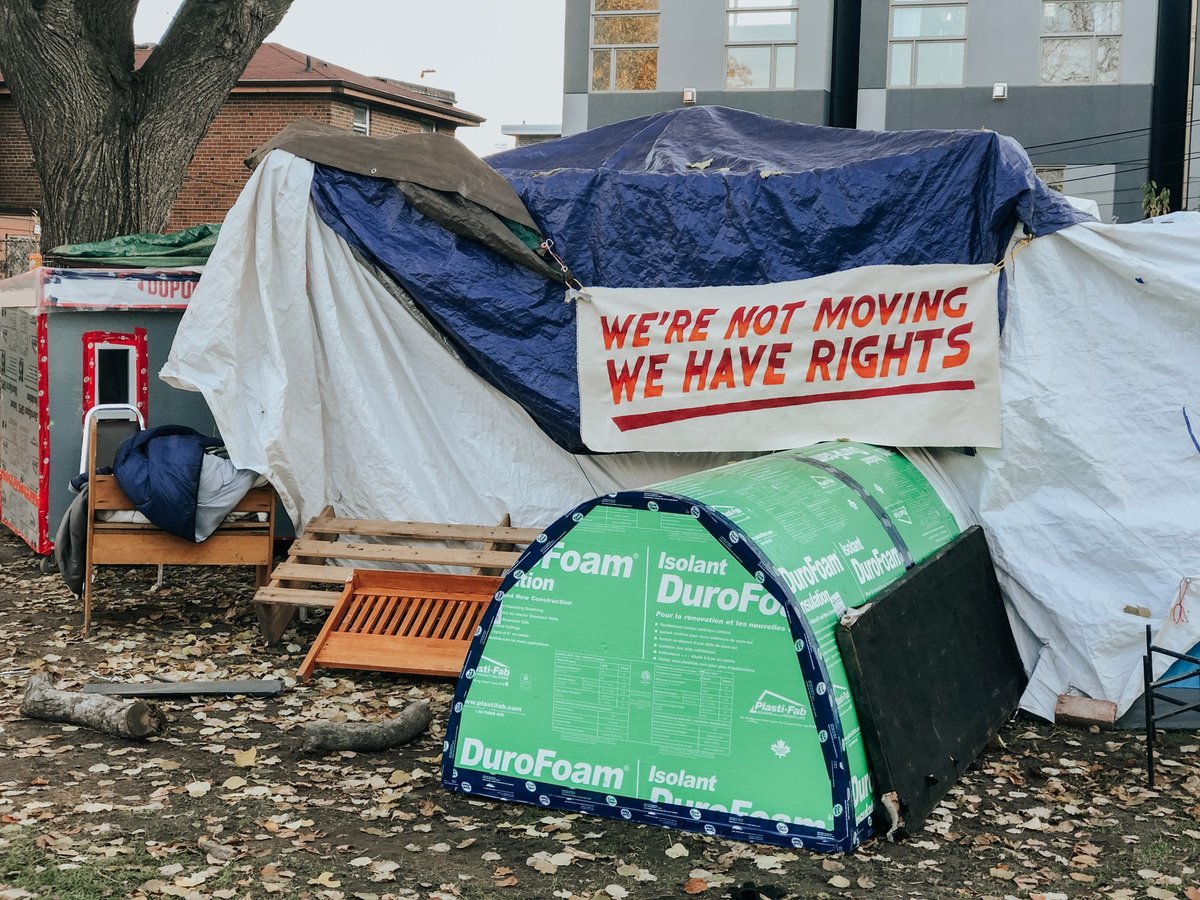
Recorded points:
780,749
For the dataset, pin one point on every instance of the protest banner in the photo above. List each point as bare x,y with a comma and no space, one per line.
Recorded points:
896,355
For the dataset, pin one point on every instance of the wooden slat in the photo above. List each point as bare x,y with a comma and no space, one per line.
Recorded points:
157,547
244,525
296,597
259,499
378,653
109,496
291,571
430,531
433,556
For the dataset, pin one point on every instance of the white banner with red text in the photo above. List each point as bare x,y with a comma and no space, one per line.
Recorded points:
895,355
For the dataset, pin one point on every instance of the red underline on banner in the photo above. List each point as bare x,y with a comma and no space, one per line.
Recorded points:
666,416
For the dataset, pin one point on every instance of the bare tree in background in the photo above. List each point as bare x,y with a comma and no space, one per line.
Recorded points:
111,144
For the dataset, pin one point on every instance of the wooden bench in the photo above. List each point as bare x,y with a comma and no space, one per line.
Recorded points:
238,543
306,579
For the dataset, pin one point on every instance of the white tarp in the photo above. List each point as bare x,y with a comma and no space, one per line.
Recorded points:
882,354
321,380
1093,503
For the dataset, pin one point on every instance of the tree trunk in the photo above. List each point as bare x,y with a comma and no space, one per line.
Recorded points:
112,143
120,718
367,737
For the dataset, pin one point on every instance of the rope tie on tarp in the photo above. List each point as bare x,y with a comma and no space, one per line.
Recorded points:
1178,611
1017,247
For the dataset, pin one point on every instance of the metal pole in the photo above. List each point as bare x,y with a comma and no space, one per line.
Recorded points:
1148,697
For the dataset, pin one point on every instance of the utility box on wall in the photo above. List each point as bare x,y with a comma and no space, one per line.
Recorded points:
71,339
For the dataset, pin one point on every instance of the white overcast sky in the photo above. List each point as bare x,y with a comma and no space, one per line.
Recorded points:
503,58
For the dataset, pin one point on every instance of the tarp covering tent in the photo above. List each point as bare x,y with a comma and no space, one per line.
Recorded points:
376,392
687,198
1090,507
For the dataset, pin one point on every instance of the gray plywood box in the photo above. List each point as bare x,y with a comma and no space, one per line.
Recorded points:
69,339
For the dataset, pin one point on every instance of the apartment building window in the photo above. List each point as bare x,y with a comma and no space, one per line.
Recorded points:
928,43
362,119
1081,42
760,44
624,45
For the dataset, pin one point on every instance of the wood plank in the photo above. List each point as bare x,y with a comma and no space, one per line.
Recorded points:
104,493
381,653
430,531
110,496
433,556
297,597
238,526
291,571
259,499
158,547
439,584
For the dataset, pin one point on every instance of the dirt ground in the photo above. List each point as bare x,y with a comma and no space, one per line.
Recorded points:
224,806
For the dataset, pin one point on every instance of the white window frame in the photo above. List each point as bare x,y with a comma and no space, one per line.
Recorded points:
613,48
132,356
914,42
1075,35
365,126
782,6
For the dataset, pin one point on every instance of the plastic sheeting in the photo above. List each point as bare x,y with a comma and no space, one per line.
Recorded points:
1090,506
687,198
319,379
190,247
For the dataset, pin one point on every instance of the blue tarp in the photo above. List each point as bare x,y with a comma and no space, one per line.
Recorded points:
691,197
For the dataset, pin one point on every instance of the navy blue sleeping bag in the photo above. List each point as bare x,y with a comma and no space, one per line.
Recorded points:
159,471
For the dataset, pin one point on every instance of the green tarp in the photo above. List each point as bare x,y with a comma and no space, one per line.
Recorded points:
190,247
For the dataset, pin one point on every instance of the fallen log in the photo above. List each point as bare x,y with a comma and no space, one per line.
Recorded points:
367,737
120,718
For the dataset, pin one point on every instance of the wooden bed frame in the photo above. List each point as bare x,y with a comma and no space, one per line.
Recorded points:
239,543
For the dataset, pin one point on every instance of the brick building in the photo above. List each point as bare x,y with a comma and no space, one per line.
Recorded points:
278,86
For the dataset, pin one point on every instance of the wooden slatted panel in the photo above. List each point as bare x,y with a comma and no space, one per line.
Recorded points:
411,622
430,556
429,531
115,548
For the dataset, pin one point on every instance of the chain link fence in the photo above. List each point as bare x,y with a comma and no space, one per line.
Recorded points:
14,254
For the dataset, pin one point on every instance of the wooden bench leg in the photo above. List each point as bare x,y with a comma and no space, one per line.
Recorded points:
87,599
273,620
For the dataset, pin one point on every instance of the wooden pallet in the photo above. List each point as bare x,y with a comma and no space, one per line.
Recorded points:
307,579
419,623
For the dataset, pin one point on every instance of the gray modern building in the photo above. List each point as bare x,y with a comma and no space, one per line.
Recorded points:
1098,91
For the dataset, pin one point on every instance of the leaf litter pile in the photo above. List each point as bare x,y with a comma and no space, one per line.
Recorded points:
225,806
